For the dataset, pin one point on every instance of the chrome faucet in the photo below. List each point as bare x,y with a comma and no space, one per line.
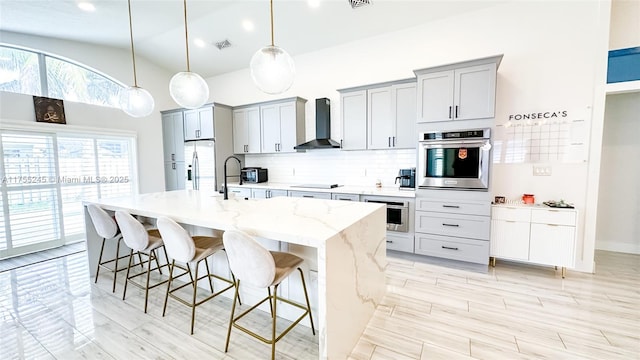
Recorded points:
239,176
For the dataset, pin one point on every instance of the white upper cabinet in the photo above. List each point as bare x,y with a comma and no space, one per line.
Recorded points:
379,117
246,130
172,136
282,126
353,112
198,124
464,91
403,105
271,127
380,124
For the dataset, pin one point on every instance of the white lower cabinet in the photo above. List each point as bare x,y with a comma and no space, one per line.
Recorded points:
400,242
267,193
534,235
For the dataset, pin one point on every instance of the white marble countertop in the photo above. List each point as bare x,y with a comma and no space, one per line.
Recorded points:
300,221
347,189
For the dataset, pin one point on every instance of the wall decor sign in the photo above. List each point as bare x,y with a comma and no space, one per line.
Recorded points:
542,136
49,110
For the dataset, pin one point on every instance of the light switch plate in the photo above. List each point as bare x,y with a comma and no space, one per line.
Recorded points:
541,170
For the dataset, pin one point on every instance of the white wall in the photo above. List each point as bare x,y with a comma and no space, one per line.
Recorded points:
117,64
618,227
625,24
551,60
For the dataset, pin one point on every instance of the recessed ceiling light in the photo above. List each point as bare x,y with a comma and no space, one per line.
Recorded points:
199,43
248,25
86,6
313,3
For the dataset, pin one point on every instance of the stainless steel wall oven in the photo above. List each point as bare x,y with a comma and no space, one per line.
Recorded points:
454,159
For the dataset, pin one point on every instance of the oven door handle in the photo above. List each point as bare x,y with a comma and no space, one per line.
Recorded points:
456,143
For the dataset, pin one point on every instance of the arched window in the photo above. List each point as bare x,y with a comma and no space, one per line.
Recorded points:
35,73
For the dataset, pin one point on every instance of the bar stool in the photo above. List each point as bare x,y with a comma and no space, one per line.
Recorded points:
107,228
189,250
142,242
252,263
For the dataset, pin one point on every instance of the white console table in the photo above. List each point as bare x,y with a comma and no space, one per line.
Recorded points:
534,234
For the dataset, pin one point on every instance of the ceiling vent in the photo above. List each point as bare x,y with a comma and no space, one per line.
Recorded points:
359,3
223,44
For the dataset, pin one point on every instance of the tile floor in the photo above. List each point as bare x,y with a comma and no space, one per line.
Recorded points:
52,310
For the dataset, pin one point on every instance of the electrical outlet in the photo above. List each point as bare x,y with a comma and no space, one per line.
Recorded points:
541,170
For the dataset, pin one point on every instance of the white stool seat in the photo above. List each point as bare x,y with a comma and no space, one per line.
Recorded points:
107,228
190,250
252,263
143,242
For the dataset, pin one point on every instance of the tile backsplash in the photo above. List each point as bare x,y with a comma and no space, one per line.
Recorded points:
354,168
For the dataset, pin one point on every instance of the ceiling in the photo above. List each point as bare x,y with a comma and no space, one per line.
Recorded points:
158,25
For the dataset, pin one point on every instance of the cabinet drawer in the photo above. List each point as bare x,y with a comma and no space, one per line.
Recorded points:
476,251
240,192
454,207
468,226
346,197
551,216
310,194
399,242
510,213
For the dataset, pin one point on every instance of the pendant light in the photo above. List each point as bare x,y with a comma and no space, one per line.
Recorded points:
134,100
187,88
272,68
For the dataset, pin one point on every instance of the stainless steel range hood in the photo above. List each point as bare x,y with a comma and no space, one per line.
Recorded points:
323,128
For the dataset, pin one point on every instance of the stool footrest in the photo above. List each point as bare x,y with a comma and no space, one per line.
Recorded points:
284,332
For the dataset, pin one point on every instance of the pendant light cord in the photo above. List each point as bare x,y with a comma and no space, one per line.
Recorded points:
133,53
271,7
186,34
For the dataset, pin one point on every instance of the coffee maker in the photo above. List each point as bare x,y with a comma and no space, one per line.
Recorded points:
407,178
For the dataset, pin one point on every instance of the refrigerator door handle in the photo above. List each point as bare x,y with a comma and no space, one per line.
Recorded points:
196,171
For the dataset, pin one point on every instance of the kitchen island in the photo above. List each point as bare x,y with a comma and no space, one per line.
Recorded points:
347,239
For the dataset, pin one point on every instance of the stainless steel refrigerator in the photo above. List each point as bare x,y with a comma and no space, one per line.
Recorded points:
201,171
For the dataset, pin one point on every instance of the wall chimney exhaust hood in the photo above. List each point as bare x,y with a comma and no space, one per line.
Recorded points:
323,128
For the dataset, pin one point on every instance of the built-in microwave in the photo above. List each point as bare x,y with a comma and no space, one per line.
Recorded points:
254,175
454,159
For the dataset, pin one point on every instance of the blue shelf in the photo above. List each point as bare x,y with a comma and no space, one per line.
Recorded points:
624,65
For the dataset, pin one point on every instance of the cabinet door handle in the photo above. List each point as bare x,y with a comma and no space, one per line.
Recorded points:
389,141
394,141
510,221
452,225
246,148
554,225
173,166
340,143
449,248
275,146
456,111
450,108
173,157
451,206
279,147
389,242
307,196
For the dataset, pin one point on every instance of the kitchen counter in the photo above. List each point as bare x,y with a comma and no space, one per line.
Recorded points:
358,190
348,239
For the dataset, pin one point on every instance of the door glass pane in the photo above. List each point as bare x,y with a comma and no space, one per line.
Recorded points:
19,71
3,236
72,210
114,167
75,83
28,159
33,216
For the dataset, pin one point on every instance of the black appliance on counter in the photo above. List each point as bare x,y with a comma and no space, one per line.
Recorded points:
254,175
407,179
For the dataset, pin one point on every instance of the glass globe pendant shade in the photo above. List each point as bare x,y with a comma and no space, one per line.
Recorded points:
189,90
272,70
136,101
